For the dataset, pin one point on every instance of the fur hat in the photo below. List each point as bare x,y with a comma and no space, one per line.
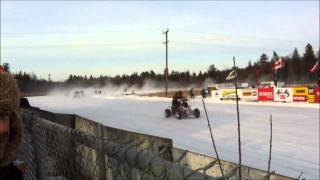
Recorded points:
9,101
9,92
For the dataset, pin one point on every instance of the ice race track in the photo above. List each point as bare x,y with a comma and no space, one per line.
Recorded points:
295,127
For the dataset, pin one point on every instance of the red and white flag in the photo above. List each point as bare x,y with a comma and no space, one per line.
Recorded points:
315,67
278,64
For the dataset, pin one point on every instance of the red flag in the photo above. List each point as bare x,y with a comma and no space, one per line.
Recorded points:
315,67
278,64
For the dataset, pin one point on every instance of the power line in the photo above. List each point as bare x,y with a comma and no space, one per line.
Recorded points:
189,43
80,45
239,37
151,30
78,32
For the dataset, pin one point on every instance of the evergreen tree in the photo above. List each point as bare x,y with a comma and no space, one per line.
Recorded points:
212,71
296,64
263,59
264,65
309,60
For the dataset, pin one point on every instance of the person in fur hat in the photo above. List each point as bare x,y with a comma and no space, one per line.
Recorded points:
11,128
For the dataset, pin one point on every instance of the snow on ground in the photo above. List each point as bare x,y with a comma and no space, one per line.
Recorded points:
295,127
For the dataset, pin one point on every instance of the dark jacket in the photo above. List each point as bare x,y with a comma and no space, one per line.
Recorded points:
10,172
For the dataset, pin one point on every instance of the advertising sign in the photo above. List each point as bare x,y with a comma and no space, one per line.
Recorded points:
215,94
283,94
249,94
227,94
310,94
265,94
300,94
316,93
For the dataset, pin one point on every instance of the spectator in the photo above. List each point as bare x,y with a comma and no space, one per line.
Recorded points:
191,93
203,93
11,128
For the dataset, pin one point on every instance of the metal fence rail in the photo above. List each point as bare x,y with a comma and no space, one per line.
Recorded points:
54,151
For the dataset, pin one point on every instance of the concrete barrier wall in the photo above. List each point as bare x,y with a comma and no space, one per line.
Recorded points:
195,161
157,144
63,119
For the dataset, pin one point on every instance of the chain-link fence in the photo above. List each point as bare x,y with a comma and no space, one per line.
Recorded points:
54,151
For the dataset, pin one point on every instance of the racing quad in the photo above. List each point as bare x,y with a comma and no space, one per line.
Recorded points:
182,111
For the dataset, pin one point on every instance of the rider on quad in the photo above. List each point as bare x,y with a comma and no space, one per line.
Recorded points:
177,100
180,107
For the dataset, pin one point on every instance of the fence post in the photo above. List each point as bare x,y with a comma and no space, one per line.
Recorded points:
100,157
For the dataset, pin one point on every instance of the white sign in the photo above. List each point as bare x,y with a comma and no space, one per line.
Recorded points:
283,94
215,94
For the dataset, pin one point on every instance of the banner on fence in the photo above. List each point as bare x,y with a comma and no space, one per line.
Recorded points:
215,94
283,94
310,94
249,94
265,94
227,94
316,93
300,94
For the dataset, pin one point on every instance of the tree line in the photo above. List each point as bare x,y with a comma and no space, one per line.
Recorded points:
295,71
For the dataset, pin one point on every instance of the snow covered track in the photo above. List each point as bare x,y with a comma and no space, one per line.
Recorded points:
295,128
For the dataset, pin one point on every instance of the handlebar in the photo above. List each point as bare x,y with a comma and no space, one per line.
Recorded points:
184,99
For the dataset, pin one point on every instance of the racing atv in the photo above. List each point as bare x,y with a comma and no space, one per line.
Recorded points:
184,110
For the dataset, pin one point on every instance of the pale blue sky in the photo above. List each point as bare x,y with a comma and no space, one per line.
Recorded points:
108,38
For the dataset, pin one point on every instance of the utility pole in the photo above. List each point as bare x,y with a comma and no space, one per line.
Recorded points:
49,77
238,116
166,70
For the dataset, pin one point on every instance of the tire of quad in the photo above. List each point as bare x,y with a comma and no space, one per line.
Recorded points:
196,113
179,115
167,113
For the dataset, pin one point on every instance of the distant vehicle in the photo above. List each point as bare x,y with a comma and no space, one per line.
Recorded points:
78,94
126,91
97,91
